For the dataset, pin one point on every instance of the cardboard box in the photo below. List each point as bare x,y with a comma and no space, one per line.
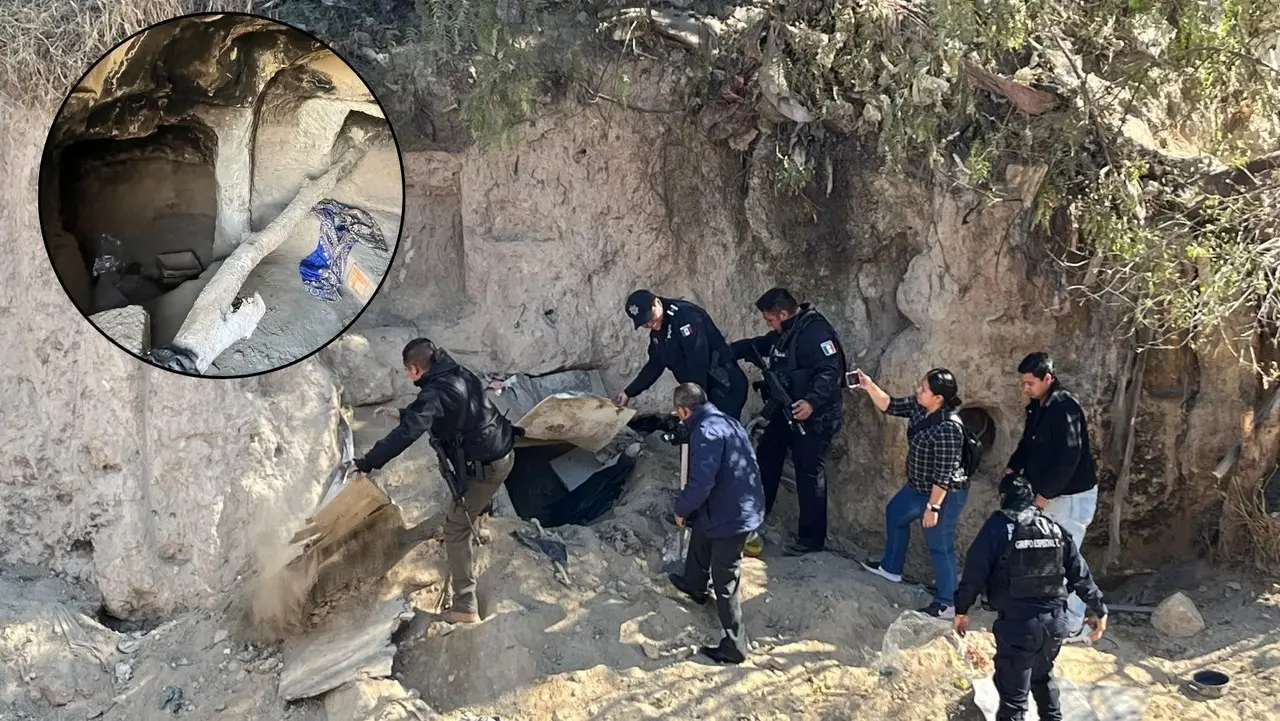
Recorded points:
359,284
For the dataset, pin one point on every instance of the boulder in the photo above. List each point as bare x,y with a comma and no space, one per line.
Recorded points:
1177,617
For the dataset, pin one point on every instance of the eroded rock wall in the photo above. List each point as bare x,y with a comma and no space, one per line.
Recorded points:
556,229
151,485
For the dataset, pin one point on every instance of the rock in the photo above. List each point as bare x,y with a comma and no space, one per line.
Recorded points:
129,326
381,699
364,363
651,651
124,672
220,636
128,645
1177,617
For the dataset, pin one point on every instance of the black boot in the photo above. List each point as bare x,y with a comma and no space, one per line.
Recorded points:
678,581
724,653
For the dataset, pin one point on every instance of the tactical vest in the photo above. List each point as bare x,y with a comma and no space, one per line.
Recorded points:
782,357
1032,560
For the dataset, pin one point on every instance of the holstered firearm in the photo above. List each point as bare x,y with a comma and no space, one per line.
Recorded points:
776,398
453,468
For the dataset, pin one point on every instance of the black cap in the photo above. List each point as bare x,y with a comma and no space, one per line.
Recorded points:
1017,492
640,307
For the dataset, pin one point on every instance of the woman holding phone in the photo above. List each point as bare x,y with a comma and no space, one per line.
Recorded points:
936,487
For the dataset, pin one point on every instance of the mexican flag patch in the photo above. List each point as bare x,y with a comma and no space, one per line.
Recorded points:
828,348
686,330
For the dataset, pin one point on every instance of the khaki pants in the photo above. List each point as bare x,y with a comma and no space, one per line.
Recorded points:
458,536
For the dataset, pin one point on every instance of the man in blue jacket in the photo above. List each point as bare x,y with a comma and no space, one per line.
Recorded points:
722,502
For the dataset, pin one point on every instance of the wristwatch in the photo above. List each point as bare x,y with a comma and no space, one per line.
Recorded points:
931,507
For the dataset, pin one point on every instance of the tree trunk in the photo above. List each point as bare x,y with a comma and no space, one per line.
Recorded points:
1133,399
214,322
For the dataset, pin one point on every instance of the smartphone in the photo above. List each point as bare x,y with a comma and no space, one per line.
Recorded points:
851,378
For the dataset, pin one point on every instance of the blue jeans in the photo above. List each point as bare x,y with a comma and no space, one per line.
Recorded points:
906,508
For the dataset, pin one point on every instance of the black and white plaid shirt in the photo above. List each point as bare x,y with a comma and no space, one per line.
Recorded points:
935,447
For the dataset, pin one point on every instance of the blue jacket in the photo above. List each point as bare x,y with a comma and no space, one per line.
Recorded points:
723,495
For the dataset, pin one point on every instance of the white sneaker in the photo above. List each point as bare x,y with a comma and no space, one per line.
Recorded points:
874,567
937,610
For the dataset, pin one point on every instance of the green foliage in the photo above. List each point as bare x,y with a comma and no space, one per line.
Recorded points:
507,83
790,176
1187,265
509,70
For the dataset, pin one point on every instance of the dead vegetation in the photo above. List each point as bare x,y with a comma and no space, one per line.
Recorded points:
49,45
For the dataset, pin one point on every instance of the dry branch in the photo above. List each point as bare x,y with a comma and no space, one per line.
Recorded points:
216,319
1026,99
1134,396
1242,179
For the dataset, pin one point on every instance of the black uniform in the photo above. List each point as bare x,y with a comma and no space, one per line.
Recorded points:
691,346
479,443
451,404
1025,562
810,363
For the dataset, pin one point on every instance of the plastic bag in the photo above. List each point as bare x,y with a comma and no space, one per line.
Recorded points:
110,256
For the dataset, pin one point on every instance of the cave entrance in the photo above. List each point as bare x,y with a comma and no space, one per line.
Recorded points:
142,211
560,484
981,424
556,481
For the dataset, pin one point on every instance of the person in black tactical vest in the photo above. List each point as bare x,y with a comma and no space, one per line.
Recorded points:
475,440
1026,563
684,340
803,354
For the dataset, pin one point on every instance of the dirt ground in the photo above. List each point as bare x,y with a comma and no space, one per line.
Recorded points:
611,640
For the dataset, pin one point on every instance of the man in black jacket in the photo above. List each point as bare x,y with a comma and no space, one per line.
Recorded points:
723,501
802,349
1056,457
684,339
471,437
1020,559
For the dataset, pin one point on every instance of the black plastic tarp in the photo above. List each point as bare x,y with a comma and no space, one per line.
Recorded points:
536,490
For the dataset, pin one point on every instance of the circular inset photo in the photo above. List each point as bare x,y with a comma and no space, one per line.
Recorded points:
221,195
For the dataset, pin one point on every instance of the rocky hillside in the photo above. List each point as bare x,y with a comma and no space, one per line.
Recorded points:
518,255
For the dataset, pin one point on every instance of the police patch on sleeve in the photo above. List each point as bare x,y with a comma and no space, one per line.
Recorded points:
828,348
686,330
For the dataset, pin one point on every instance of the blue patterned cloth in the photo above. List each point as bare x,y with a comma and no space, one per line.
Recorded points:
341,227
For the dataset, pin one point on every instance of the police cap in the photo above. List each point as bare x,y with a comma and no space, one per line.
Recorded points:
640,307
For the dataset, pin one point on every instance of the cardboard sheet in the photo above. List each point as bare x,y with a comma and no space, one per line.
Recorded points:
355,645
589,422
576,466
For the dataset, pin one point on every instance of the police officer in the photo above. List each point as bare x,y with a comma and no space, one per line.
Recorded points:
683,339
476,440
804,354
1026,562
